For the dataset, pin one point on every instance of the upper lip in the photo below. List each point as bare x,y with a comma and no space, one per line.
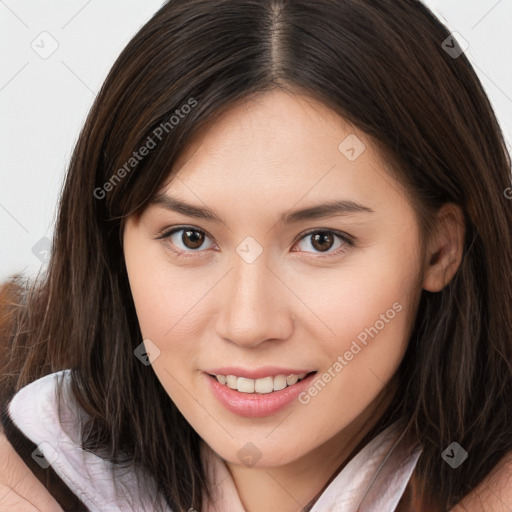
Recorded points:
256,373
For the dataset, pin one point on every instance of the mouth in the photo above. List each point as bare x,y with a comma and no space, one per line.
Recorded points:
261,386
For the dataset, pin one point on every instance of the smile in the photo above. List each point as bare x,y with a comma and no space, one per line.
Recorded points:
264,385
257,397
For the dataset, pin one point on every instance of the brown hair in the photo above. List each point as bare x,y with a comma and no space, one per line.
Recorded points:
378,63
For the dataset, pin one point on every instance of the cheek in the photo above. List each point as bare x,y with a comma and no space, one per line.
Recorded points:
369,310
171,303
374,299
371,326
165,309
168,310
164,294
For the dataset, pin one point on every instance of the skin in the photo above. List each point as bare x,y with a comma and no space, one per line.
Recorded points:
294,306
21,491
274,154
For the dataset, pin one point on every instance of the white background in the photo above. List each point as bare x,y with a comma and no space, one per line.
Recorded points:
44,102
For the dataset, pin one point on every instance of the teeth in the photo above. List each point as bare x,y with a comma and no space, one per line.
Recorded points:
245,385
231,381
262,386
265,385
279,382
292,379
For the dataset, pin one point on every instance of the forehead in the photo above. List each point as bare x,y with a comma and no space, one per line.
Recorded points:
279,151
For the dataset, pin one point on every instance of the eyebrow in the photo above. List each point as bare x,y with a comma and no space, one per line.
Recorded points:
321,211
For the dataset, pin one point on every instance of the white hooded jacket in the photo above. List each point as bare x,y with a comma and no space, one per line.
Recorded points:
374,480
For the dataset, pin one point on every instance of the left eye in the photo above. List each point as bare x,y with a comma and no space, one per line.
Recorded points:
323,240
192,239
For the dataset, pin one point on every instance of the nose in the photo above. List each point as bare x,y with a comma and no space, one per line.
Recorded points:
253,305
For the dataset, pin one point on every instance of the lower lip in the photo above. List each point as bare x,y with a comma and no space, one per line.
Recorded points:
254,405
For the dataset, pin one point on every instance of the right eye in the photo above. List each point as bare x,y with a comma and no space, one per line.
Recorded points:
184,239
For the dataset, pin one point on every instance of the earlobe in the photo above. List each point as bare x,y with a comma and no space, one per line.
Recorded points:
445,248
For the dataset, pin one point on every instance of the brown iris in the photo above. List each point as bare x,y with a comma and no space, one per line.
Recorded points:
320,238
192,239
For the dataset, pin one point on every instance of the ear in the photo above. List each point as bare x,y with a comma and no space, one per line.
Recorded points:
445,248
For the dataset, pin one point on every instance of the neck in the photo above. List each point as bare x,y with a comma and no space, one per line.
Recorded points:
298,485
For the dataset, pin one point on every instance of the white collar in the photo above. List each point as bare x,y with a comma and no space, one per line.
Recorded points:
372,481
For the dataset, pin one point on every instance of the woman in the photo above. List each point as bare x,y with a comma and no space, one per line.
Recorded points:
201,342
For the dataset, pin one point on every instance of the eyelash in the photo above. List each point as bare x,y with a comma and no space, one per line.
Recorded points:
348,240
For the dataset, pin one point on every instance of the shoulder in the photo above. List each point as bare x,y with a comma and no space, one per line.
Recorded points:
25,471
52,422
494,493
31,441
18,485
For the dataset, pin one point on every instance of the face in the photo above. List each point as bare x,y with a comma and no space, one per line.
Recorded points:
267,297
